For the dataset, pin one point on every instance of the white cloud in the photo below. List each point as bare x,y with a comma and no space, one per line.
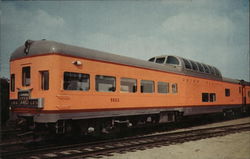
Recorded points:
132,45
188,28
197,27
36,24
18,25
210,39
42,19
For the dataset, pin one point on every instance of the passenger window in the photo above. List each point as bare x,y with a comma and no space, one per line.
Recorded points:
76,81
201,69
227,92
44,80
208,97
128,85
26,76
105,83
217,72
212,70
160,60
205,97
172,60
147,86
152,59
12,82
187,64
206,69
195,67
212,97
174,88
163,87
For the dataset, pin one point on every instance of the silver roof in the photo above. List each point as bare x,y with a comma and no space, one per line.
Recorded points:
188,65
33,48
46,47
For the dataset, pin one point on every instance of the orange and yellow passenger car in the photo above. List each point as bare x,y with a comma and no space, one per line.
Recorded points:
66,85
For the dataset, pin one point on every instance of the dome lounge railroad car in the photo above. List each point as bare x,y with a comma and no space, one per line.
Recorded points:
68,88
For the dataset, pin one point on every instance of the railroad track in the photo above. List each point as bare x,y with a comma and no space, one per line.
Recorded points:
9,132
107,147
9,137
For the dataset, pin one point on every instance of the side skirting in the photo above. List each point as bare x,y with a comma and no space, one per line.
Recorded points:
187,111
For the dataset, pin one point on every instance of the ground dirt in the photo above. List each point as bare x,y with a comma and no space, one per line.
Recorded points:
233,146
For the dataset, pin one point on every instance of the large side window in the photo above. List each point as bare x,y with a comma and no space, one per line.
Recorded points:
12,83
163,87
227,92
147,86
26,76
128,85
44,80
105,83
76,81
174,88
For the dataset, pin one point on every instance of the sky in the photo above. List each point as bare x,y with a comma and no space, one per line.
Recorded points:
209,31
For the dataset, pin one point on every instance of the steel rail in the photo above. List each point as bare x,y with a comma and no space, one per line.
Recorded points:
125,144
